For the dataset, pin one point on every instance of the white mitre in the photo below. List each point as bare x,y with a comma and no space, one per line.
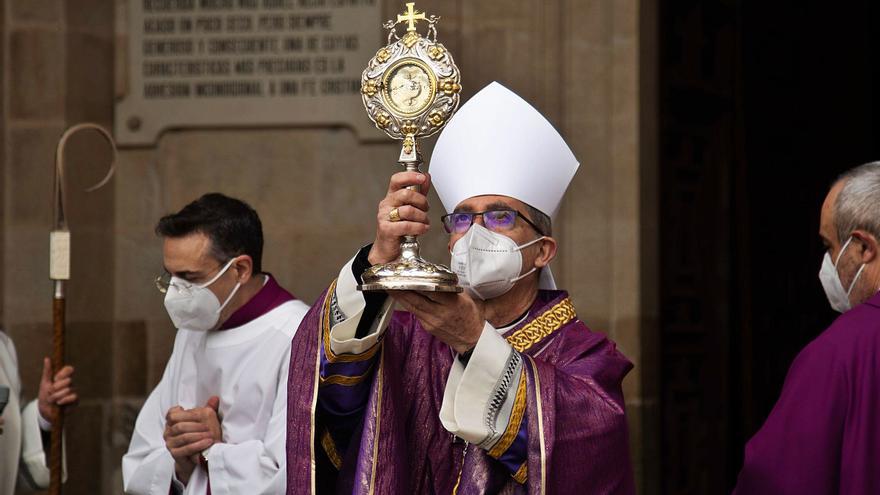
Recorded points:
499,144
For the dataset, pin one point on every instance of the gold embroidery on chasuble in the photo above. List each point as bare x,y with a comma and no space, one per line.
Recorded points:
541,327
346,381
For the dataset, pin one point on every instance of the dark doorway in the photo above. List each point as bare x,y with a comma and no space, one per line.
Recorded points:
761,106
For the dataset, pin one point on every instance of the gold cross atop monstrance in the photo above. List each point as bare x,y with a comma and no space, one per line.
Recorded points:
411,16
411,89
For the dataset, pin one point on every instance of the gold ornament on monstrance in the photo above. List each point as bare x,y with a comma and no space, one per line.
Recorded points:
410,89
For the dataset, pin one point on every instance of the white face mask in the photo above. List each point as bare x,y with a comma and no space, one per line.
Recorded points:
488,264
194,307
830,278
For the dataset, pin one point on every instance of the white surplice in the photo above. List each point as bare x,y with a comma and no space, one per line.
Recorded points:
247,368
21,444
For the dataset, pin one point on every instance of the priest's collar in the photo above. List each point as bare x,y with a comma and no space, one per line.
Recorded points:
270,296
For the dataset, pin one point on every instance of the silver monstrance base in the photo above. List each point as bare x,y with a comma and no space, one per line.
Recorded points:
410,271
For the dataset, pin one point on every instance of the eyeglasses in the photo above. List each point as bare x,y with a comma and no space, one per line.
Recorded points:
163,282
495,220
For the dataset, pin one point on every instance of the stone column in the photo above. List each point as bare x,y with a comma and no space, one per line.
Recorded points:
57,69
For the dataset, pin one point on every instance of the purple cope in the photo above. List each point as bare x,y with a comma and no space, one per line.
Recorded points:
577,440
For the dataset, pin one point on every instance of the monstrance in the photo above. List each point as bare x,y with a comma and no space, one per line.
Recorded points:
411,89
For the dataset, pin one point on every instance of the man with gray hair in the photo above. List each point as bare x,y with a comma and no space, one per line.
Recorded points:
823,435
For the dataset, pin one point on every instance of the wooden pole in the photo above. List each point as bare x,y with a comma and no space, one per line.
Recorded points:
55,452
59,272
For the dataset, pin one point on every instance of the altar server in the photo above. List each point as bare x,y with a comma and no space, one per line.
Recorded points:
216,422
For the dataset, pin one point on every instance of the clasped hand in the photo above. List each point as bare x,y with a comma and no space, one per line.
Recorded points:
188,432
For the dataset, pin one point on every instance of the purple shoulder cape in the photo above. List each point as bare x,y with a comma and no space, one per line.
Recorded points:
577,430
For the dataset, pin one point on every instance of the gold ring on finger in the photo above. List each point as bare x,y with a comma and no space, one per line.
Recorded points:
394,215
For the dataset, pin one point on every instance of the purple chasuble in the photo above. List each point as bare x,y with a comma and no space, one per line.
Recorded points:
572,413
823,435
270,296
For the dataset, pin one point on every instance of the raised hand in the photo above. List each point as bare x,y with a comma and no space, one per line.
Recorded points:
412,215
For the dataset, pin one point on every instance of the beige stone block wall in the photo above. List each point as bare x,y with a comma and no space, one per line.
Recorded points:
316,190
55,56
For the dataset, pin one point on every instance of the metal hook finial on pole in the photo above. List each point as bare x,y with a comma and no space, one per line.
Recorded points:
59,272
60,220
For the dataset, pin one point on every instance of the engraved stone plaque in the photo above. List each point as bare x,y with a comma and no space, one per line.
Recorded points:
233,63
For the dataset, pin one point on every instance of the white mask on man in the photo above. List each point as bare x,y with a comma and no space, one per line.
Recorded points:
830,278
194,307
487,263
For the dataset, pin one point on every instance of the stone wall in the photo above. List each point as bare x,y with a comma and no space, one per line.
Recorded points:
316,190
57,70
